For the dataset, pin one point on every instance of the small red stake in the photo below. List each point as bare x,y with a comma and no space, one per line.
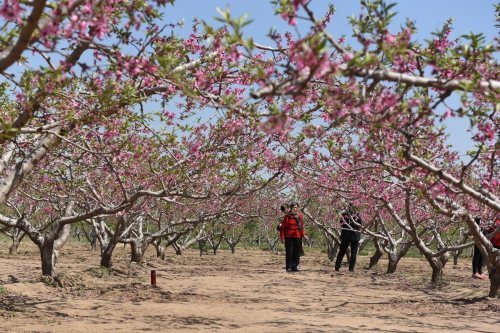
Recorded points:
153,277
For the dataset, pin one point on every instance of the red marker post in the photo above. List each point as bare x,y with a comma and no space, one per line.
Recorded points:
153,277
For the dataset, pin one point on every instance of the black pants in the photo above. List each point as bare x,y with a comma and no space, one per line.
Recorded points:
344,244
477,261
292,249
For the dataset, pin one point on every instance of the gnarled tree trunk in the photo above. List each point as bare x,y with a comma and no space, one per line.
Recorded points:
494,282
107,254
374,259
47,256
138,249
392,264
437,273
233,241
160,249
52,243
16,235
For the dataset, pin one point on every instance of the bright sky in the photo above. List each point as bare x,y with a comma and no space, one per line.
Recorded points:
469,16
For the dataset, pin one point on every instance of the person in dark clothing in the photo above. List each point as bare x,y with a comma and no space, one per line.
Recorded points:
350,236
291,233
477,258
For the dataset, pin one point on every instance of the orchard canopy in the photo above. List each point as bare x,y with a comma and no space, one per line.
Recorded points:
114,120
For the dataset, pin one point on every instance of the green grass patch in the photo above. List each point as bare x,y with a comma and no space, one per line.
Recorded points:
99,272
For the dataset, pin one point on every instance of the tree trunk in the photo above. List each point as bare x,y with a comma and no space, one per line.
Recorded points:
201,245
138,250
14,246
393,263
50,246
92,239
233,248
160,250
17,236
375,258
178,250
136,253
437,273
456,254
494,282
333,249
106,255
272,243
47,255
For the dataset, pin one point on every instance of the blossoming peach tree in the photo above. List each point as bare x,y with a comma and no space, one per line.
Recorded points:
216,115
381,103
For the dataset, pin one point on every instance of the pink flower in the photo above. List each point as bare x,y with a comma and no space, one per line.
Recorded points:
448,113
296,3
414,102
390,38
348,56
11,10
324,66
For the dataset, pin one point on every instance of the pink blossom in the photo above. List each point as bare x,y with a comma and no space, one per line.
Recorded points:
414,102
296,3
323,67
390,38
448,113
11,10
486,132
348,56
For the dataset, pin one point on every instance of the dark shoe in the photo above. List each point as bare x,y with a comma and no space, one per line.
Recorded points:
288,269
294,269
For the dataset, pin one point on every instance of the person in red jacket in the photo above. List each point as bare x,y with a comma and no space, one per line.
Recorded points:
291,233
494,234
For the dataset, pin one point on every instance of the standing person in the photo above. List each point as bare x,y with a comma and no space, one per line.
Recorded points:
477,257
350,235
284,209
291,233
495,241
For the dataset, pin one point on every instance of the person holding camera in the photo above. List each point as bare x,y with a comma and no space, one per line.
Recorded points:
291,233
350,236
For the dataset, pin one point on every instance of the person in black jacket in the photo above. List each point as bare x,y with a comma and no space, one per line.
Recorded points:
477,258
350,236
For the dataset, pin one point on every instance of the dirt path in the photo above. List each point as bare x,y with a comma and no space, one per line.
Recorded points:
245,292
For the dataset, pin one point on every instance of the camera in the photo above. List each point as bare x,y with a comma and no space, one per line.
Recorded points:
284,208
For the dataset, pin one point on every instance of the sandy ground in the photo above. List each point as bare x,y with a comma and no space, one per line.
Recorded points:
244,292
